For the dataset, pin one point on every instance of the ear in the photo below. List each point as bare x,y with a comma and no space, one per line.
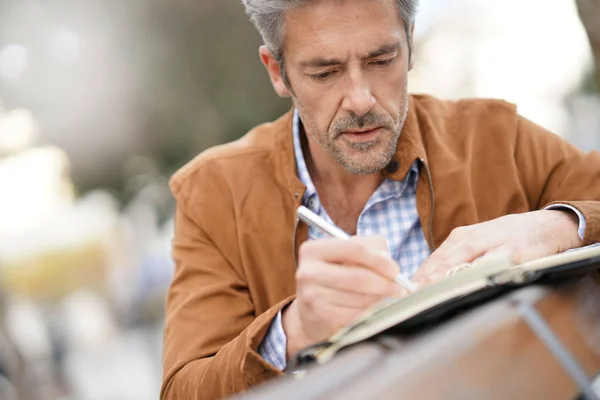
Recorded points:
274,70
411,62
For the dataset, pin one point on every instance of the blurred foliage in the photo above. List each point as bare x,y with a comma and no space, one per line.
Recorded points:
205,84
187,71
213,88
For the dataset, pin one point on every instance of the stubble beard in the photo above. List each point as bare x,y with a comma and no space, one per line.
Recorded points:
365,157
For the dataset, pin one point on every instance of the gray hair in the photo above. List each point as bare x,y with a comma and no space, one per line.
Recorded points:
269,18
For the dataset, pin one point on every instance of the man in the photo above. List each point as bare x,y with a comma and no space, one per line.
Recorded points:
423,184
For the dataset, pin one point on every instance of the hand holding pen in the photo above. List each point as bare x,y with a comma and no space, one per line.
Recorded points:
336,281
312,219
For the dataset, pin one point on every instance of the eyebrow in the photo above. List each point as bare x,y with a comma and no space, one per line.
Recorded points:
328,62
321,62
383,50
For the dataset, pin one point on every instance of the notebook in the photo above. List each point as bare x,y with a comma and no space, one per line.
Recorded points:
488,277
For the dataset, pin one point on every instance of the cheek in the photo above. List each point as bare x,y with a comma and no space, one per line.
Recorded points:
319,109
390,94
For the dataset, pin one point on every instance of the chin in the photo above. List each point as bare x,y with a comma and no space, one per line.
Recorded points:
373,157
362,169
364,165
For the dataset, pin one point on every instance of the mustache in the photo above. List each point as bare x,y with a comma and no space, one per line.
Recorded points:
354,121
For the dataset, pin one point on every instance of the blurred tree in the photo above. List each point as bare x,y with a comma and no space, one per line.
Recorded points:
208,86
155,78
589,12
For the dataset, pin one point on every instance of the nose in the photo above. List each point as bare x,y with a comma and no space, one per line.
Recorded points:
359,99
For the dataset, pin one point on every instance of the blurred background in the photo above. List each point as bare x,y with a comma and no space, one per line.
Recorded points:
100,101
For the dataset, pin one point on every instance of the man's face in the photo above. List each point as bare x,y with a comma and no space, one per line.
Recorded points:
347,64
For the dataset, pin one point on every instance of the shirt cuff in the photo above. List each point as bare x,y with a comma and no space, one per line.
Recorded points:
582,224
274,345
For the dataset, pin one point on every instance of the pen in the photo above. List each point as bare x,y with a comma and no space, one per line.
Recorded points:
307,216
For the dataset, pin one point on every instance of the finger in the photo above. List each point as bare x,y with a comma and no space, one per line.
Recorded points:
518,254
502,252
323,295
355,251
522,254
500,255
355,279
401,291
457,250
329,315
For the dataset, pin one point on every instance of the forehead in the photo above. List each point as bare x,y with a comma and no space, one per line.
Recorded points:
341,28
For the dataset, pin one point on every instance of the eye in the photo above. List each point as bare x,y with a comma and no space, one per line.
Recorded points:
322,76
383,63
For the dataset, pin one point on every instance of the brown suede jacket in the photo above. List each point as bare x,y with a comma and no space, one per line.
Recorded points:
236,234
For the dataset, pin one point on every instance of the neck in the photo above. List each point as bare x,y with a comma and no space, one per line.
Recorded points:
333,180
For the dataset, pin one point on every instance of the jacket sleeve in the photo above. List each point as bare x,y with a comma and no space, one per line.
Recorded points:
554,171
211,331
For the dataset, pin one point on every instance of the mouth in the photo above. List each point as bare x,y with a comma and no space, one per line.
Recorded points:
363,135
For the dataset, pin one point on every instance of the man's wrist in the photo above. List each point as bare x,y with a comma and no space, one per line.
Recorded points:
296,339
568,227
580,216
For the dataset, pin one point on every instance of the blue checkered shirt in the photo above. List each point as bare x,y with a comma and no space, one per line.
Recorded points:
391,212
